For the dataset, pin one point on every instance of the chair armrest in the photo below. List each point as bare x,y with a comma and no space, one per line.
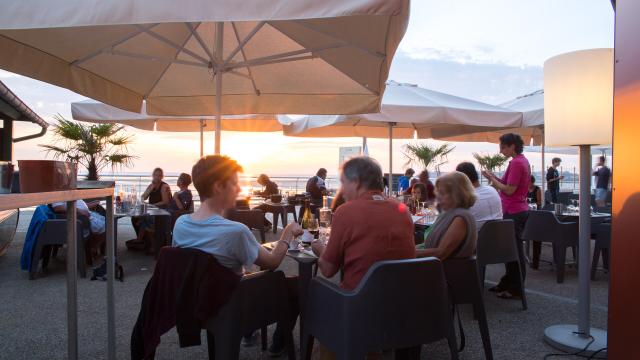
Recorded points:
254,275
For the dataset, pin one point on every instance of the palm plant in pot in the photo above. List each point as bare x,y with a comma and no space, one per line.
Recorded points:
490,162
93,146
427,155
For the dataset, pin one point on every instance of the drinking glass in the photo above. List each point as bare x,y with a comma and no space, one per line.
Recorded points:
312,225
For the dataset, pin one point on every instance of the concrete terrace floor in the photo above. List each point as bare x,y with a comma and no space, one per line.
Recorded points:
33,312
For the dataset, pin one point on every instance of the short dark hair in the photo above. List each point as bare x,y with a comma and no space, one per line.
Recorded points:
209,170
158,169
409,172
321,171
555,160
513,139
603,158
533,179
468,169
185,179
365,171
424,173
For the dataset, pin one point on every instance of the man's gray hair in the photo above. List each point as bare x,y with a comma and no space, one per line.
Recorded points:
364,170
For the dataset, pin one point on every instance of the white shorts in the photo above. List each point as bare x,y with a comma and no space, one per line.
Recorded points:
601,194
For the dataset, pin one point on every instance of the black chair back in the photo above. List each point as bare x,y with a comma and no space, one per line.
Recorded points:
496,243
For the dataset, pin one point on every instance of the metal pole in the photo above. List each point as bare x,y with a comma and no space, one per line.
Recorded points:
390,157
72,275
543,179
201,137
218,75
364,146
584,244
111,265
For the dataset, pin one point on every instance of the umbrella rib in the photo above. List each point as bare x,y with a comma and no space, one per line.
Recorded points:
195,34
113,44
158,58
163,39
242,43
283,57
271,62
346,43
244,58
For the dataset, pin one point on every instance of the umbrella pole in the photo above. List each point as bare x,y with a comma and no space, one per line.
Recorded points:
543,179
218,75
201,137
390,157
364,146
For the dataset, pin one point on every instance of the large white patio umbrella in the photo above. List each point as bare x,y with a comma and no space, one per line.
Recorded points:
407,108
276,57
209,57
97,112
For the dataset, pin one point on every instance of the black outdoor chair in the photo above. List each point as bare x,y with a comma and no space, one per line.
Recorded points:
53,235
465,288
253,219
398,304
497,244
602,246
544,226
260,300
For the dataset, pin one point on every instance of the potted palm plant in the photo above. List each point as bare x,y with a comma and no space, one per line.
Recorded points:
490,162
428,155
92,146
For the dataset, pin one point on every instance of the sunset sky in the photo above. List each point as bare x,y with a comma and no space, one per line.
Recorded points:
490,50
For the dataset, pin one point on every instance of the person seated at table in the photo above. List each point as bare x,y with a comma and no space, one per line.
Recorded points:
316,187
424,179
182,200
403,181
418,196
158,193
97,224
270,187
358,241
411,184
454,233
234,246
488,205
534,193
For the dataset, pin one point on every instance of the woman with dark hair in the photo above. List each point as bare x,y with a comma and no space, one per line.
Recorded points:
513,188
424,179
270,187
534,194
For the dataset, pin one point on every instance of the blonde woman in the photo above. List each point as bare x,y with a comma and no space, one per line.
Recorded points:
454,233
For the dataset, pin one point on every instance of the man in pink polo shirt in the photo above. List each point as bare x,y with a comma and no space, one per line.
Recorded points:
513,188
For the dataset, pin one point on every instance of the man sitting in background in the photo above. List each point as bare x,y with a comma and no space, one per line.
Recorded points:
270,187
488,205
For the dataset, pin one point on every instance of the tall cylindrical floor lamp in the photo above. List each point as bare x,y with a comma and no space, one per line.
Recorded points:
578,111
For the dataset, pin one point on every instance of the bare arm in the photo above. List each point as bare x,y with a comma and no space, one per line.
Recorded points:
146,193
62,209
176,199
451,239
539,196
271,259
504,188
328,269
165,191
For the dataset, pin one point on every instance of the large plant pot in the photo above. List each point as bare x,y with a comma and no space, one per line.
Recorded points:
47,175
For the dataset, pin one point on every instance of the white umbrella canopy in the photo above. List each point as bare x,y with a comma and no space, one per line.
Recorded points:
407,108
97,112
532,129
280,56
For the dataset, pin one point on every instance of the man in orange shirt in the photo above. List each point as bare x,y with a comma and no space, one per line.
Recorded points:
368,228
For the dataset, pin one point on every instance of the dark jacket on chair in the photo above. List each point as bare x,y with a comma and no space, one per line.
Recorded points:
188,287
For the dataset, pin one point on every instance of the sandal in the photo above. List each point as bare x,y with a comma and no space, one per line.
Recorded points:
508,295
497,289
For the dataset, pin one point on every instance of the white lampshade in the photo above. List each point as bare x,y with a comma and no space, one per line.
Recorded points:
578,98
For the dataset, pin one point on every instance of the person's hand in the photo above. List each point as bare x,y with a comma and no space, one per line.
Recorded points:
294,229
488,174
317,247
561,177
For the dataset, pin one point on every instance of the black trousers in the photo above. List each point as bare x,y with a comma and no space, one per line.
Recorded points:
511,278
554,195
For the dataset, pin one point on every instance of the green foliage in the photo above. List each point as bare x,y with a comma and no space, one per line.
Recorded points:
93,146
490,162
427,155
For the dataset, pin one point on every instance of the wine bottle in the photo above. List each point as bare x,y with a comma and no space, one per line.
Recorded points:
325,213
306,214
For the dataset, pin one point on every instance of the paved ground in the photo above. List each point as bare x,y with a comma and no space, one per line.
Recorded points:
33,316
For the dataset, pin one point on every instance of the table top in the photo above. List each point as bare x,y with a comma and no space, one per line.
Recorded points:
421,220
593,215
15,201
150,212
303,256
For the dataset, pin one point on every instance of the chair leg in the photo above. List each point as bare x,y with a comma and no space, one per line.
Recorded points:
453,344
523,295
574,251
560,259
229,349
594,262
481,316
276,217
483,270
535,256
605,258
211,346
263,337
262,235
306,347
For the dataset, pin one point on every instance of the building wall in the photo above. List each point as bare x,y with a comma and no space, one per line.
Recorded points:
624,303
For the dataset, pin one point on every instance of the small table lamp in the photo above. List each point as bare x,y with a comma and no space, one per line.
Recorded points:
578,111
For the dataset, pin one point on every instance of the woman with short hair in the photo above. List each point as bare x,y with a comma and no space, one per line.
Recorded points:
454,233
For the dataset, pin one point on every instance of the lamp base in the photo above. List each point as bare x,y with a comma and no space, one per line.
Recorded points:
563,337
